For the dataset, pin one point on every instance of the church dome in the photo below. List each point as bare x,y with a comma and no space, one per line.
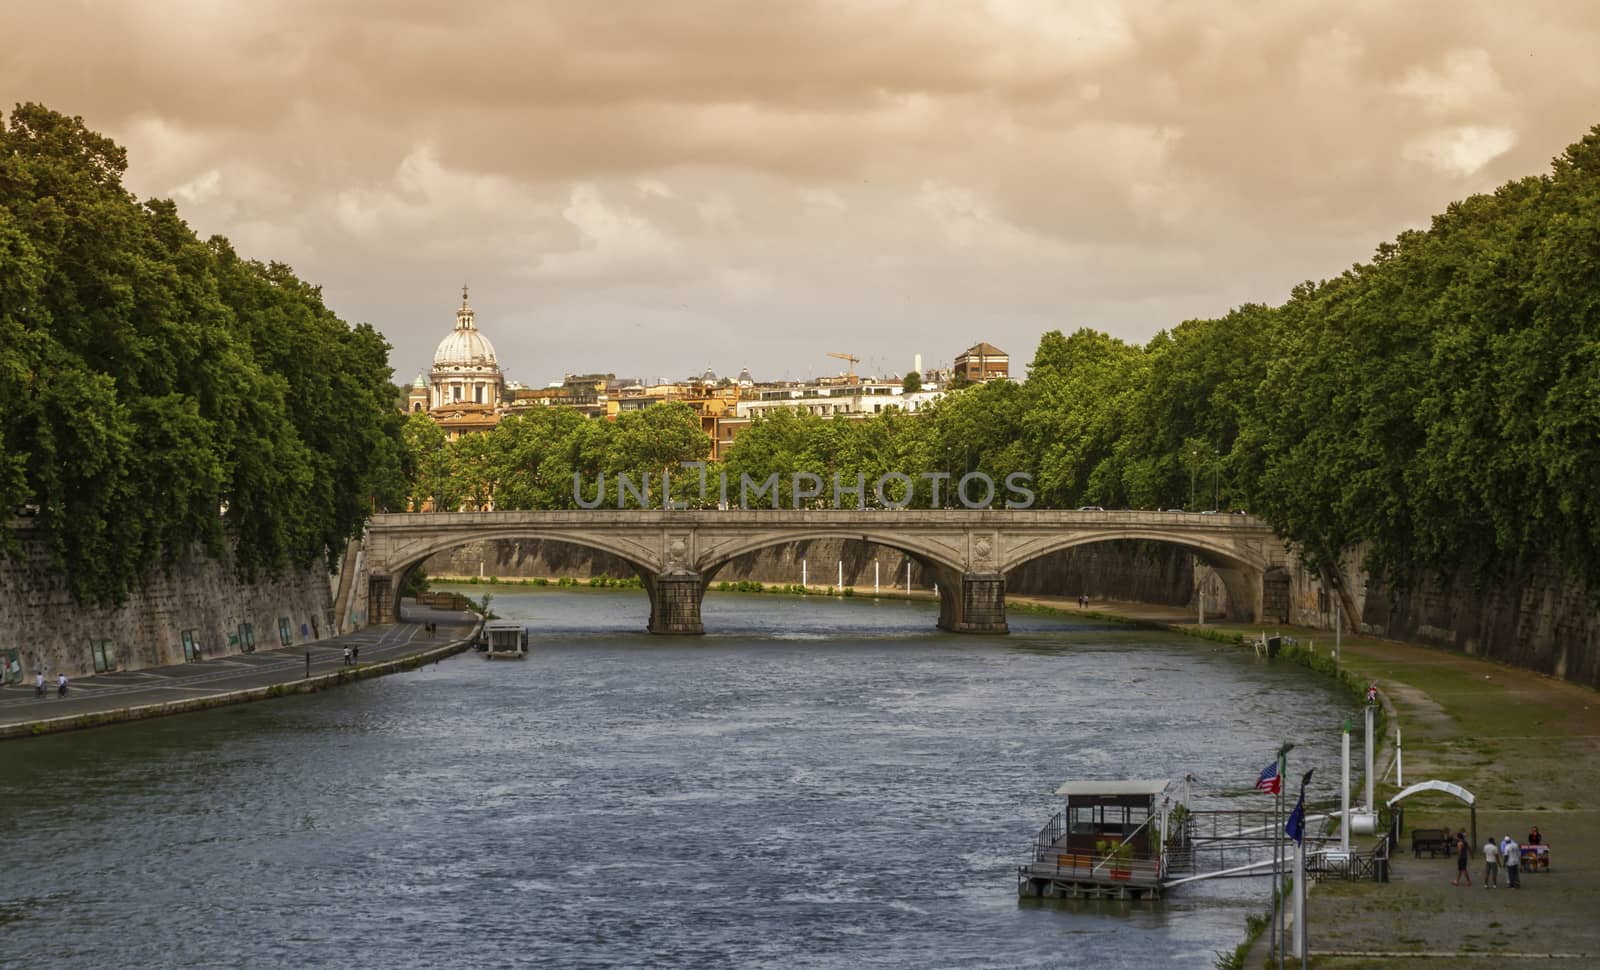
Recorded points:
465,347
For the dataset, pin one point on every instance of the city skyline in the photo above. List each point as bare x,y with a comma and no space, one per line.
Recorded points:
741,185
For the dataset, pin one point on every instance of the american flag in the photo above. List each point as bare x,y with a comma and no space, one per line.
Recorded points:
1269,781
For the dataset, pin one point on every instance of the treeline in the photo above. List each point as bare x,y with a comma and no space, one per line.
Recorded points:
1438,407
528,460
158,393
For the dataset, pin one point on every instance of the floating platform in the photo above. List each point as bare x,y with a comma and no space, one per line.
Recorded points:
1129,840
505,640
1102,845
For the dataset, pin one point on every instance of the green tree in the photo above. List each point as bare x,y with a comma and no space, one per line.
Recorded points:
160,396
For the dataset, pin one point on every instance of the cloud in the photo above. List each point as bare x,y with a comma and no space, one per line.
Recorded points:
1459,151
1466,80
763,178
611,239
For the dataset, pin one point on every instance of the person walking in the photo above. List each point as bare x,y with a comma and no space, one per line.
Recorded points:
355,655
61,685
1491,863
1513,860
1461,862
347,656
38,683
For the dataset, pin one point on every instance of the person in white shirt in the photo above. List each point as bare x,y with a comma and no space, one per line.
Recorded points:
38,683
1513,860
61,685
1491,863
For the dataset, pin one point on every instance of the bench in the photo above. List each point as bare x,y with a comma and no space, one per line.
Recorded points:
1432,841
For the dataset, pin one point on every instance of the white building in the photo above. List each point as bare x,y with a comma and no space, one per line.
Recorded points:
465,369
842,400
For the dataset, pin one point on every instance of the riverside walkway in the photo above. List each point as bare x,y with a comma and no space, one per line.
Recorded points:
133,695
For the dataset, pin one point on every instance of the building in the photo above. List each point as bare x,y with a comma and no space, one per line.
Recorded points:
467,391
835,400
983,362
848,402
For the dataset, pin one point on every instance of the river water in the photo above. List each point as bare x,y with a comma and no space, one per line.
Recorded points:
818,783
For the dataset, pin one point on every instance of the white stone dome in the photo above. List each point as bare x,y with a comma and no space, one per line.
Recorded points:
465,347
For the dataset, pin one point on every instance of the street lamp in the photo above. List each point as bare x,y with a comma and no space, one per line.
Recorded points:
1216,472
1194,463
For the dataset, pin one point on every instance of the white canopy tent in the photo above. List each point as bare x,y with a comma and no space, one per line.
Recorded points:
1449,788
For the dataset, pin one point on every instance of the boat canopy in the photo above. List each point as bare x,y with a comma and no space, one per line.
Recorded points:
1090,788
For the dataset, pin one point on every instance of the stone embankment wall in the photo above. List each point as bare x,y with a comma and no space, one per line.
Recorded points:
1131,571
1542,620
49,632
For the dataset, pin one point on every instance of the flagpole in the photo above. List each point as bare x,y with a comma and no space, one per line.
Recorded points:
1298,822
1278,854
1277,866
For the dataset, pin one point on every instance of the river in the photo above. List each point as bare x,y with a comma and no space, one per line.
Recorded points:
817,783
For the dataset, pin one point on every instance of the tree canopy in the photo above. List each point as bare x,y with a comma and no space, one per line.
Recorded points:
159,393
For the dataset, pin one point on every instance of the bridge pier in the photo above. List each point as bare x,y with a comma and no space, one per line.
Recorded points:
675,603
972,602
382,607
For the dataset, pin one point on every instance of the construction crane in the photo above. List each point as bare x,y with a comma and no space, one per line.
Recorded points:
854,360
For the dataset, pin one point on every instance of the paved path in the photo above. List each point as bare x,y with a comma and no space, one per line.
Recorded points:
135,694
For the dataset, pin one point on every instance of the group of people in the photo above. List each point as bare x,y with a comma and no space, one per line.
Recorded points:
1083,602
38,684
1506,855
352,656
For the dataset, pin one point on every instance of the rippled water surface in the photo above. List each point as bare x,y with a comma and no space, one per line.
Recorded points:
819,783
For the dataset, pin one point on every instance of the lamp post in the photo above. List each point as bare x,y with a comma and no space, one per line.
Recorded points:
1194,460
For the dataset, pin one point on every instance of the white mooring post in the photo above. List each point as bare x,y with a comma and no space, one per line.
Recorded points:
802,572
1337,613
841,576
1399,776
908,577
874,577
1367,803
1344,795
1300,902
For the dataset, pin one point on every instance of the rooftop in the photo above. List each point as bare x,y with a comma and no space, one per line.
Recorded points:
1136,787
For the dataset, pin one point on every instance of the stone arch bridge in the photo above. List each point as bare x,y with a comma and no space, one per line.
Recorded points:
677,553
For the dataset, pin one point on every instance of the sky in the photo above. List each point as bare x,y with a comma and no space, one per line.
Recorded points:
655,188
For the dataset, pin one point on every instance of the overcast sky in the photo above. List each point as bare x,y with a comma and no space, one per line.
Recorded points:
657,187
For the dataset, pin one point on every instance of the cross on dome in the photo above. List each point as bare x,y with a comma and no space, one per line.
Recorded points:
464,320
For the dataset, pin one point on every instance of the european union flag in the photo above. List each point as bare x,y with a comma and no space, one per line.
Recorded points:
1296,826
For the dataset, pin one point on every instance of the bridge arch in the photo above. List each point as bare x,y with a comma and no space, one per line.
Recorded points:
408,556
942,560
400,563
1241,573
930,555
